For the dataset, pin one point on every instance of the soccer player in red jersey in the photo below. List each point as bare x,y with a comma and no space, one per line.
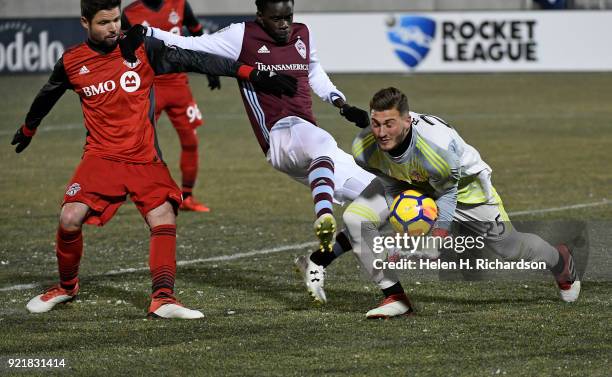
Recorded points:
172,93
120,154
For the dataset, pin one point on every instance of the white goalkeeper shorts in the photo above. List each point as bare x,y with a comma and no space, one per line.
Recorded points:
295,143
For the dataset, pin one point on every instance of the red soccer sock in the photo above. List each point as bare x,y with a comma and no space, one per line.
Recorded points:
162,260
69,250
189,157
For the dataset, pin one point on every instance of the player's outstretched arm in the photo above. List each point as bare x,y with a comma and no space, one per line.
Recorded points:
47,97
226,42
353,114
322,85
170,59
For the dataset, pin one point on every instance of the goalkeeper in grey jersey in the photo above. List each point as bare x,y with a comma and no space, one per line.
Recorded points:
410,150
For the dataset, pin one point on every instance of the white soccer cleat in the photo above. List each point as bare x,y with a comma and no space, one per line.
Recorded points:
567,279
314,277
171,308
392,306
52,296
571,294
325,229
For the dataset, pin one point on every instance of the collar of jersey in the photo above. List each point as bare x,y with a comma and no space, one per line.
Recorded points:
406,145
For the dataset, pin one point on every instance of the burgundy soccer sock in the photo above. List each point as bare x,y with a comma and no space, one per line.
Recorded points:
69,250
321,179
162,260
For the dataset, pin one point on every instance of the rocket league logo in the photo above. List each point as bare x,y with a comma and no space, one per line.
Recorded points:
411,37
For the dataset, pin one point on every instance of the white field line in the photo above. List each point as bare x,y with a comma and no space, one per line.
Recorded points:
241,116
604,202
220,258
49,128
299,246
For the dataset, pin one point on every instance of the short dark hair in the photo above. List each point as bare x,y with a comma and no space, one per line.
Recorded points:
89,8
261,4
388,99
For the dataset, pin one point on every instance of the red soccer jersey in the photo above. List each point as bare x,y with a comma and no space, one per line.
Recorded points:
169,18
116,99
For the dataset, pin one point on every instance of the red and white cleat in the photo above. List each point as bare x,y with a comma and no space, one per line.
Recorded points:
567,278
392,306
190,204
169,307
52,296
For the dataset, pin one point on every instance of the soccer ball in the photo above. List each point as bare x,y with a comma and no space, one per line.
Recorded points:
413,212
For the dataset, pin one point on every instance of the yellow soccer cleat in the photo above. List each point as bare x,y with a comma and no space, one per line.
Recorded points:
325,230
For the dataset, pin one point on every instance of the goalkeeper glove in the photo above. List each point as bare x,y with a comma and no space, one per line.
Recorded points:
270,82
213,82
22,138
360,117
130,42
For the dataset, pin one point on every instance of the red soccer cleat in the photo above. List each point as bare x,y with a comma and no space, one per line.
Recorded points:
169,307
52,296
190,204
567,278
392,306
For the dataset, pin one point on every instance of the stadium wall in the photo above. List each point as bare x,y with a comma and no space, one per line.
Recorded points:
383,42
67,8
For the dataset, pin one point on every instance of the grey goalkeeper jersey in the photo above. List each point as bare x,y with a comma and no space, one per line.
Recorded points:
438,161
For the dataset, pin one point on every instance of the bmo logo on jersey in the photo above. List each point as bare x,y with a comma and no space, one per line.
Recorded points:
101,88
130,82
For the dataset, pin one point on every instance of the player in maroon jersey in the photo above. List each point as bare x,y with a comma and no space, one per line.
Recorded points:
285,127
172,93
121,155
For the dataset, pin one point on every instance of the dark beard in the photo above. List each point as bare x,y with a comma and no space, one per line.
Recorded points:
102,47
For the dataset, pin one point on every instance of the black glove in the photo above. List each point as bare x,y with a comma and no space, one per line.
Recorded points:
130,42
213,82
361,118
277,84
21,140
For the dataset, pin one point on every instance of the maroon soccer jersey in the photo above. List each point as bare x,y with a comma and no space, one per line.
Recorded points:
168,17
116,101
262,52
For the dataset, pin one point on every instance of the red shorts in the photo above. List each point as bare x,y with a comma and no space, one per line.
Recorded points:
179,104
103,186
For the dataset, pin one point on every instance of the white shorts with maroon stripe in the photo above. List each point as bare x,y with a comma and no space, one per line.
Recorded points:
295,142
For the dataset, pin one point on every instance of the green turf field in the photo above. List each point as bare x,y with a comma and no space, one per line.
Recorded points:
547,137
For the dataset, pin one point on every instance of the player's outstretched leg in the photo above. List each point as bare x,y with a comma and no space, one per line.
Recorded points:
312,267
321,180
565,275
531,247
69,251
